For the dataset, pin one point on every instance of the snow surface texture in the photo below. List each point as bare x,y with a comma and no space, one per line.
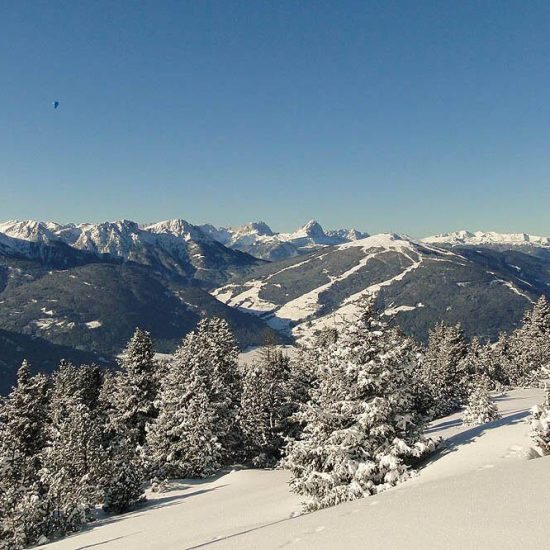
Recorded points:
479,492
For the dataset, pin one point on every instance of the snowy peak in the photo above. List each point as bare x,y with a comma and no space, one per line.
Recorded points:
115,238
386,241
30,230
346,234
479,238
311,229
177,228
260,228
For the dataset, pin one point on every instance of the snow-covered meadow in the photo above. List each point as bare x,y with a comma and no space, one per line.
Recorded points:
479,491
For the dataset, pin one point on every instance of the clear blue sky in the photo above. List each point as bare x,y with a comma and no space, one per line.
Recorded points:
416,117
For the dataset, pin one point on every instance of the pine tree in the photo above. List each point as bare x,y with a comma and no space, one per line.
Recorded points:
480,408
361,433
121,483
135,389
220,359
123,472
266,407
196,431
23,511
304,374
496,360
442,371
529,347
183,441
72,458
540,425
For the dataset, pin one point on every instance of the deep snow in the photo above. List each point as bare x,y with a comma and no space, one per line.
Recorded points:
478,492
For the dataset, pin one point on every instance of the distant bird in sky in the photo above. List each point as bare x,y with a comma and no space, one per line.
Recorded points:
55,104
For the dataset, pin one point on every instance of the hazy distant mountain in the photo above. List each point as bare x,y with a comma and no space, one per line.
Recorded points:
488,238
257,239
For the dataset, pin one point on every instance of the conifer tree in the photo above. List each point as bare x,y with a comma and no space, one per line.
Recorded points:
184,440
442,371
496,360
72,458
529,347
361,432
304,374
266,407
23,509
123,470
480,408
122,476
135,389
197,431
540,425
220,360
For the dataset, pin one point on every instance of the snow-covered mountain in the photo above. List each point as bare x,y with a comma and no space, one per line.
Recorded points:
257,239
128,240
483,280
416,282
174,246
481,238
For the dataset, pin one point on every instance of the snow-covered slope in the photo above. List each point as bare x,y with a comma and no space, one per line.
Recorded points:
259,240
416,282
478,238
480,492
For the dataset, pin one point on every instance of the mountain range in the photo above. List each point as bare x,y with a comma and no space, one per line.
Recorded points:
416,284
79,290
257,239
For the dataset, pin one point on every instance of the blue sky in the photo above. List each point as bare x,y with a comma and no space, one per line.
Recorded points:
415,117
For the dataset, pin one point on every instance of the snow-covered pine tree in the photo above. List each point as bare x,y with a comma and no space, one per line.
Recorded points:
442,370
266,407
304,368
183,440
540,424
361,433
529,347
481,408
121,483
122,472
135,389
220,359
496,359
197,431
23,510
473,361
72,458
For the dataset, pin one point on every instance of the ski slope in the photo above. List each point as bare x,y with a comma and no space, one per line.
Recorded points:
479,492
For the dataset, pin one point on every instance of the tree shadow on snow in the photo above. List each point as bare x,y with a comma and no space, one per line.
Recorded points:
468,436
139,509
